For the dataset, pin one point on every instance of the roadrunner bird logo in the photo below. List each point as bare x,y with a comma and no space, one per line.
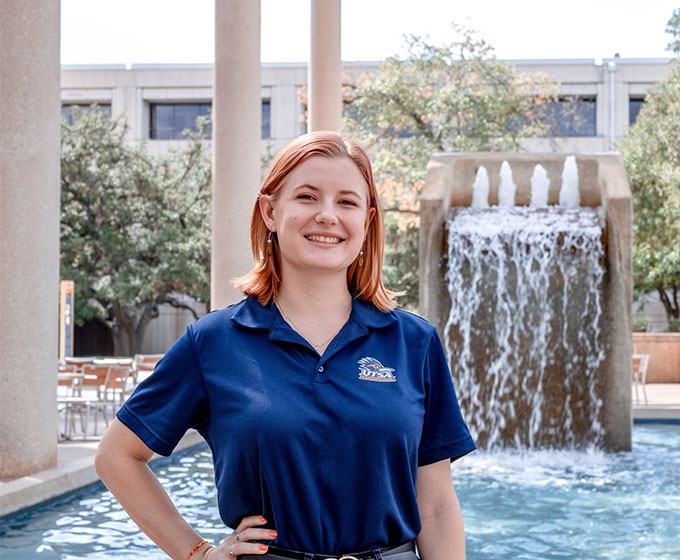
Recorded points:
371,369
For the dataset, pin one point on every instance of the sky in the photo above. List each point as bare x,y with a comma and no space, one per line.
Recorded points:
182,31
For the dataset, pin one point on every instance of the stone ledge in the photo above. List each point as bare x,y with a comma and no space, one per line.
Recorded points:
74,470
669,412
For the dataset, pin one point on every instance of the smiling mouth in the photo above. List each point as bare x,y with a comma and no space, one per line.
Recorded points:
323,239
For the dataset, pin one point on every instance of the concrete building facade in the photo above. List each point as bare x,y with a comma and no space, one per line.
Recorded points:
613,91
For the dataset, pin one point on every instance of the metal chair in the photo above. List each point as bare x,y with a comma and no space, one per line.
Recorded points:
67,383
116,389
144,364
640,363
71,402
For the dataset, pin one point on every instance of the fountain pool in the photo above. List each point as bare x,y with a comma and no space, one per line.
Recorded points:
517,505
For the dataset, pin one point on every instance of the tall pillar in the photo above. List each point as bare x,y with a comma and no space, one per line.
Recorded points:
29,229
237,118
325,83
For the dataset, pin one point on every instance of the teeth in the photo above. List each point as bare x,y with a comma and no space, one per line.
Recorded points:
323,239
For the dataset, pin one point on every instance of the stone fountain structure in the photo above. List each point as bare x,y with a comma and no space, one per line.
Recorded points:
533,301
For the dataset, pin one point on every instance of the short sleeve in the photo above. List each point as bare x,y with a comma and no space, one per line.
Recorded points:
445,434
170,401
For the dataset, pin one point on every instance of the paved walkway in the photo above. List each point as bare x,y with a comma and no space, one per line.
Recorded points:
75,461
663,403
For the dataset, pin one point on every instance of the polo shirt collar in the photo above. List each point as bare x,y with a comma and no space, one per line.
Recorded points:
368,315
254,315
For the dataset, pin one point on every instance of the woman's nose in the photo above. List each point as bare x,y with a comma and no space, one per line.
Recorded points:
326,215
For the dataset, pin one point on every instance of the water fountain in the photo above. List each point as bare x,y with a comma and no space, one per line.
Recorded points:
525,267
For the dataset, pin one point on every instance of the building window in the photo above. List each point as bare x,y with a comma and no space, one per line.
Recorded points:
68,110
266,118
170,120
573,116
634,106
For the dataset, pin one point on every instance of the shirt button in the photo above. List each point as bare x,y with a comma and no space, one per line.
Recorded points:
320,370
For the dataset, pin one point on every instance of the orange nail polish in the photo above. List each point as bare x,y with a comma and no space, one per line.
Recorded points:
263,519
272,534
263,547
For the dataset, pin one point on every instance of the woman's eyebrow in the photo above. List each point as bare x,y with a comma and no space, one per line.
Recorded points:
343,192
355,193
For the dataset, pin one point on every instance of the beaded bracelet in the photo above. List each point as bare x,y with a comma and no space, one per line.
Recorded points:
199,545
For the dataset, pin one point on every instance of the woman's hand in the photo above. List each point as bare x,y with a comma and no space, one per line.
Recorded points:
238,543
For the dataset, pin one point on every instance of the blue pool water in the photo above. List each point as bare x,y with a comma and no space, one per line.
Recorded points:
533,505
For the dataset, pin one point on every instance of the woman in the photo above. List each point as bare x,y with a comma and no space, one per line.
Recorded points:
331,416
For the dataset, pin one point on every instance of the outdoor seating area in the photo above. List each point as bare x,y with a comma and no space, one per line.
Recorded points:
91,388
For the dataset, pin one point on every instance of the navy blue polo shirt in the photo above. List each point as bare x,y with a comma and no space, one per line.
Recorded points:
326,448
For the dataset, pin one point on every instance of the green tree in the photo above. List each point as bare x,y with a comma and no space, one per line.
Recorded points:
651,153
450,98
135,228
673,29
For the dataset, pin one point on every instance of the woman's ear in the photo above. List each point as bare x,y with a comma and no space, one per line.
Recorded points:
266,204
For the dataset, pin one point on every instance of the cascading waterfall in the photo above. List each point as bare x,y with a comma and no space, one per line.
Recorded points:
524,332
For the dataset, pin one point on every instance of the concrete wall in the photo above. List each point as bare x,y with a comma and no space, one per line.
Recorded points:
664,355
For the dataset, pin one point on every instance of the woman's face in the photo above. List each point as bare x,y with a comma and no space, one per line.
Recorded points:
320,216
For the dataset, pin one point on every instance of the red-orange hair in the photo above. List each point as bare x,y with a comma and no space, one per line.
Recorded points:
364,282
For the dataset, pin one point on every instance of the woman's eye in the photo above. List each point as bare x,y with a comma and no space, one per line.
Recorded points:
305,196
349,202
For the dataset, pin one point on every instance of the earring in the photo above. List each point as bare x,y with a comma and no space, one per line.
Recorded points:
361,258
269,243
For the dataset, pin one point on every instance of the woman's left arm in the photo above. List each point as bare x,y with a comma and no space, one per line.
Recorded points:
442,536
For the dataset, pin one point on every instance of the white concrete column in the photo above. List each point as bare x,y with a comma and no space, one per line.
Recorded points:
29,230
325,82
237,118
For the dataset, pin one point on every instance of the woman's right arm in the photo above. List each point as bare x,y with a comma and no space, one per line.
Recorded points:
121,463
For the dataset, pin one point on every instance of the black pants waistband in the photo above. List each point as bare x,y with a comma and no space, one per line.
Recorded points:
377,554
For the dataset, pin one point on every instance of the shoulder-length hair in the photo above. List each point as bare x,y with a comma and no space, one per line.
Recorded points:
365,282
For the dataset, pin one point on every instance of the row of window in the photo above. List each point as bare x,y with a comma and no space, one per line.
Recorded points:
168,121
576,115
571,116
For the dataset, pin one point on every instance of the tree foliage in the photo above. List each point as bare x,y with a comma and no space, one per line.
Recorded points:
449,98
651,153
135,228
673,29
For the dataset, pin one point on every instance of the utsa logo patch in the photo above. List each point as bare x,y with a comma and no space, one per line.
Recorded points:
371,369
